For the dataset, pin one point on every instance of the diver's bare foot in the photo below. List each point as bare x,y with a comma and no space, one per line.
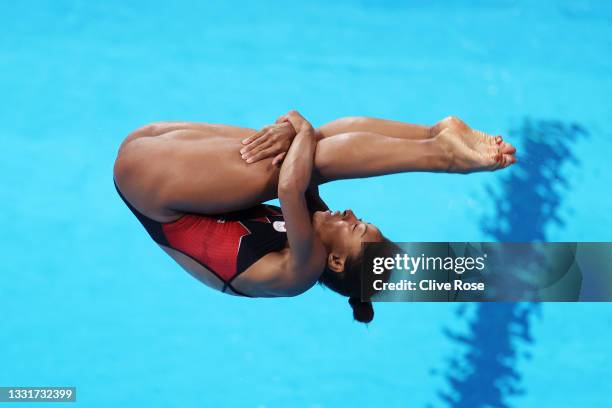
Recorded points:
471,150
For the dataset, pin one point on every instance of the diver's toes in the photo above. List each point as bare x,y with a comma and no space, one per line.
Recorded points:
507,148
509,160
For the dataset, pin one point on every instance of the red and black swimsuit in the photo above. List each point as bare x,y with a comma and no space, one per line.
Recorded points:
225,244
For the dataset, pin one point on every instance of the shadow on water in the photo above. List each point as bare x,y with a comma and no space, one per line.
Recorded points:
532,191
526,203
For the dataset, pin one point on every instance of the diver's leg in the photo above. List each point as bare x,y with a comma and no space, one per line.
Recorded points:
397,129
195,165
385,127
367,154
190,170
161,128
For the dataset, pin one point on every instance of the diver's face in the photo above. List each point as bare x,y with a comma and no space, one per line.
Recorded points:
343,232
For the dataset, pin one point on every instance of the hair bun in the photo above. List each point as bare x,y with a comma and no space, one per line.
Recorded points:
362,311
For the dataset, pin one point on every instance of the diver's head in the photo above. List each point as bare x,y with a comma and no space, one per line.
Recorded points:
342,235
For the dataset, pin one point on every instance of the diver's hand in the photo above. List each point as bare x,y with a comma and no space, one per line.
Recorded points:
298,122
271,141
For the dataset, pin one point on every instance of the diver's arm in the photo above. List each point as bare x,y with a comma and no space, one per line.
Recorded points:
306,252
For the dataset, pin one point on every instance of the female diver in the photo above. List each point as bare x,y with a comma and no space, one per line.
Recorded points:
198,188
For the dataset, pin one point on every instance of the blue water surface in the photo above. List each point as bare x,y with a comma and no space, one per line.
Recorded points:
87,299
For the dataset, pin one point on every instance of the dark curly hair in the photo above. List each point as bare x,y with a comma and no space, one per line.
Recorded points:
348,283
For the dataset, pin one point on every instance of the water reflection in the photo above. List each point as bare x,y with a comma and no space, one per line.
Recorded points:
526,203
